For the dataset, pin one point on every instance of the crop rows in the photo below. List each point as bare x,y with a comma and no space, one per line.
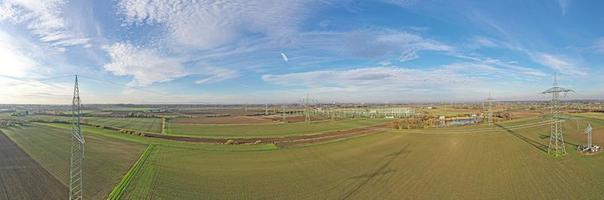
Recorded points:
105,162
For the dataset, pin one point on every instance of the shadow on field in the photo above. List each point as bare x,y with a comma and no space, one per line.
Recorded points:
530,141
565,141
376,174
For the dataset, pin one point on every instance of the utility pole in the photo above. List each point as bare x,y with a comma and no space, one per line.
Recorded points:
265,109
77,147
556,145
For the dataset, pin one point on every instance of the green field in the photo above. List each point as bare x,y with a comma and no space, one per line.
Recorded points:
106,159
266,130
473,162
139,124
411,164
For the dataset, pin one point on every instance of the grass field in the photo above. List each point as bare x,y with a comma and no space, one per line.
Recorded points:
260,130
21,177
106,160
140,124
474,162
414,164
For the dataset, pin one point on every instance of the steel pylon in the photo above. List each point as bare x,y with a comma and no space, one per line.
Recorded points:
77,148
556,145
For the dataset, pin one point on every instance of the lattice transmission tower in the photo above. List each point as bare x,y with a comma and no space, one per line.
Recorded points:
490,119
556,145
306,103
77,148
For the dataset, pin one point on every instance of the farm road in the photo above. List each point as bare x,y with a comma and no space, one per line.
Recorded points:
21,177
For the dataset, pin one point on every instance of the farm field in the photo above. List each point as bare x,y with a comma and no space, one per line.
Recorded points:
139,124
106,159
416,164
222,120
21,177
265,130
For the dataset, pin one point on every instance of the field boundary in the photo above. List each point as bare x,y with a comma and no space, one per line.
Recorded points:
120,188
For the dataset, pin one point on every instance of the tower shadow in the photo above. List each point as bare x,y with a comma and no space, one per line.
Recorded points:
377,173
534,143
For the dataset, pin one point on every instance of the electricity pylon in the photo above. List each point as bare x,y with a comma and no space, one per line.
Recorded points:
283,114
306,108
490,111
556,145
77,147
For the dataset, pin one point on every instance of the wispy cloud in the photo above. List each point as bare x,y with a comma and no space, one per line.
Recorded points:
147,66
44,19
599,46
215,74
558,63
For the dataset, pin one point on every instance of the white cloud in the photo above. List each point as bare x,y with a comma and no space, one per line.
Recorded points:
379,43
13,59
559,63
563,5
45,19
147,66
479,42
207,24
599,45
367,77
376,44
215,74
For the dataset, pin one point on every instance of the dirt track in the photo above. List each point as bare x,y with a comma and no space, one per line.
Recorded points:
281,141
21,177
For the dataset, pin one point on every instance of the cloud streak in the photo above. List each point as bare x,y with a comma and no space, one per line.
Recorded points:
559,64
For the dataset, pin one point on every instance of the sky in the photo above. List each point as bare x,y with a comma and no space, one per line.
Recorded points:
279,51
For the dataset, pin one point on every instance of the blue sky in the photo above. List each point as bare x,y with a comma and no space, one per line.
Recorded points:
277,51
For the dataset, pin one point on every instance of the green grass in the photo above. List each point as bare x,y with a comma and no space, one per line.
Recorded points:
140,124
266,130
415,164
119,190
106,159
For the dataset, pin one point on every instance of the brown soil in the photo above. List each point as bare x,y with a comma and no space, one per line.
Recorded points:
21,177
282,141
